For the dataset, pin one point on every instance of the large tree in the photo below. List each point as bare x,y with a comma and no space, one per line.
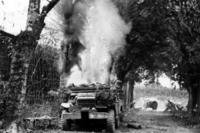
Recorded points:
146,42
21,50
184,38
165,36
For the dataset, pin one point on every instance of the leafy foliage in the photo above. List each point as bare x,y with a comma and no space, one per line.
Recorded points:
43,75
147,40
164,38
21,51
184,36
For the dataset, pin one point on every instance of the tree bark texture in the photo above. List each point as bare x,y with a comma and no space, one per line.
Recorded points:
128,89
21,53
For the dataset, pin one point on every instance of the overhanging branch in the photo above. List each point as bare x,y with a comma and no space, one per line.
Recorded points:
47,9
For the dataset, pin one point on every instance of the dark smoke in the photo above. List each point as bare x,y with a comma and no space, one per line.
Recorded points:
73,21
94,33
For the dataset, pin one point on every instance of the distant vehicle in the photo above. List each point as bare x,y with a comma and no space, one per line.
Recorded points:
91,103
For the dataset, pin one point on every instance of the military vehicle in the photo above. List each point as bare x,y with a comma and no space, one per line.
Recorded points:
91,104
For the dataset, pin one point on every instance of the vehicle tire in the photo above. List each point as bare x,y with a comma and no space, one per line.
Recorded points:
65,125
117,122
111,122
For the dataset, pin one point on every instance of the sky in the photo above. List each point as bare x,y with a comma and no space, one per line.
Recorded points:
13,15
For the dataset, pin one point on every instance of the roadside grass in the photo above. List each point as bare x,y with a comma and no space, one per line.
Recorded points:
167,99
163,93
186,119
45,109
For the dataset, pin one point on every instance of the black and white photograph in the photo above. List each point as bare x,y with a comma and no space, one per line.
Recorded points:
99,66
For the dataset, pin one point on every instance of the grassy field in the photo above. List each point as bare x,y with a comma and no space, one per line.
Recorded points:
159,91
143,95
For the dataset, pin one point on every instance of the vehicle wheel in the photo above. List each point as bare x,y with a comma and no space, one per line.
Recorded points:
111,122
66,125
117,122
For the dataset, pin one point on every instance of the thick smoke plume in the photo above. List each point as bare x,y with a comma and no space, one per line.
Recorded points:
72,18
102,34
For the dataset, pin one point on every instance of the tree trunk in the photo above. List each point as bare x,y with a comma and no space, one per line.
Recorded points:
125,89
193,99
33,13
27,42
131,92
190,101
35,25
22,51
198,101
26,57
128,88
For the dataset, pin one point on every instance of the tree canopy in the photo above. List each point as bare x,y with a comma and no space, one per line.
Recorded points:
164,38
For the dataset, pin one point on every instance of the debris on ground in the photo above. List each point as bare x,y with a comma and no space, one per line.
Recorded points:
134,125
152,104
173,107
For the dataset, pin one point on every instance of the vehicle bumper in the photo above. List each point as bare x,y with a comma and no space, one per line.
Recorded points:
92,115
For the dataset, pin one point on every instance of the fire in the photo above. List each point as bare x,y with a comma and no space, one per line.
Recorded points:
102,35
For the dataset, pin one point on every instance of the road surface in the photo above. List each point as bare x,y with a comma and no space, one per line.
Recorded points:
154,122
151,122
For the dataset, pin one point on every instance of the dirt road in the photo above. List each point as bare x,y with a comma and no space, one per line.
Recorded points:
154,122
151,122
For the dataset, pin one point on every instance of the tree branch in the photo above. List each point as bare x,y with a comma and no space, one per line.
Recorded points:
46,9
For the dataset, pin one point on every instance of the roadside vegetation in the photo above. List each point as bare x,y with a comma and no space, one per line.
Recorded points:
158,91
176,96
164,38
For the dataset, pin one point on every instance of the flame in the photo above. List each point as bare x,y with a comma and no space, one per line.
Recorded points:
102,35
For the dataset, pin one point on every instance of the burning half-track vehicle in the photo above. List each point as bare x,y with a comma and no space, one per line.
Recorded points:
91,104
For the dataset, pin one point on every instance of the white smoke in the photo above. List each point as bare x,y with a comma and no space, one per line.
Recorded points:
103,35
